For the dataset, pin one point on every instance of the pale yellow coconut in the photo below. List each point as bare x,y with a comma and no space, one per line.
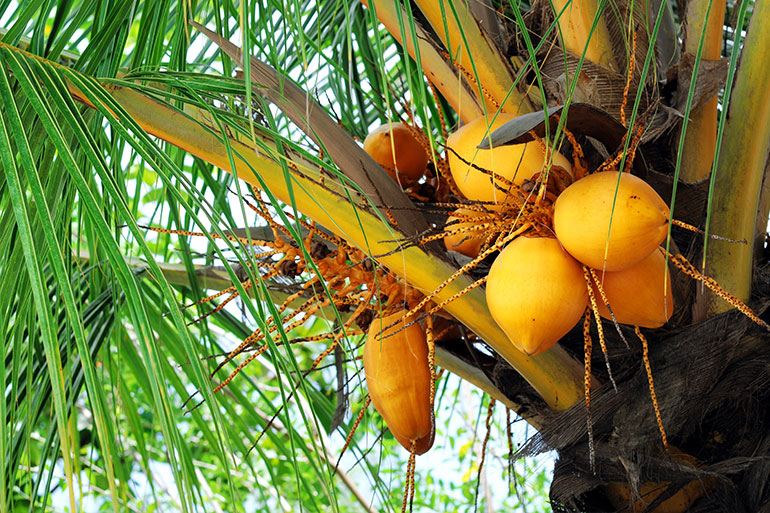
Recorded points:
516,163
395,148
636,295
583,212
619,494
536,293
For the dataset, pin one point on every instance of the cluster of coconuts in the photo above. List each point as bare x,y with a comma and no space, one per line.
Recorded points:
611,222
536,290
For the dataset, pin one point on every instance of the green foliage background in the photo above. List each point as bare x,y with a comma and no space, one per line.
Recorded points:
98,354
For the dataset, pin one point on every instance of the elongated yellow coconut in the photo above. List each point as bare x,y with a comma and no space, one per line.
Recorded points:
467,243
636,295
398,379
536,292
397,150
513,162
583,212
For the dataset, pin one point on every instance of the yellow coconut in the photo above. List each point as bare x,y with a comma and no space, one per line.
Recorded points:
636,295
536,292
513,162
395,148
467,243
398,379
583,212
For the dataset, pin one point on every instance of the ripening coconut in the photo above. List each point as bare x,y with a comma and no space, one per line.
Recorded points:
536,292
636,294
516,162
398,379
468,243
395,148
582,215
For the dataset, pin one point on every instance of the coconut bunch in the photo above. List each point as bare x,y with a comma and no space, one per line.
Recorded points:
564,240
608,229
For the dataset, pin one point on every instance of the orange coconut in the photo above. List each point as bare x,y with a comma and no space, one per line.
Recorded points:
467,243
583,212
516,162
619,494
395,148
398,379
536,292
636,295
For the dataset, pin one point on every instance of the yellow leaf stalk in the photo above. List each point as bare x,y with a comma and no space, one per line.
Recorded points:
479,57
700,140
441,74
575,21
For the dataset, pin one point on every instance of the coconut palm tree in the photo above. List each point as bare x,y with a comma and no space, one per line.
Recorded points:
155,152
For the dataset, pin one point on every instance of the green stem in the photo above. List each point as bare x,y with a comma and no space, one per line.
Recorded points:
740,170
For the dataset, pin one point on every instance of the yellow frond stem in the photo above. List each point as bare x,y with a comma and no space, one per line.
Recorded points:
554,374
437,70
459,31
701,138
741,170
575,25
